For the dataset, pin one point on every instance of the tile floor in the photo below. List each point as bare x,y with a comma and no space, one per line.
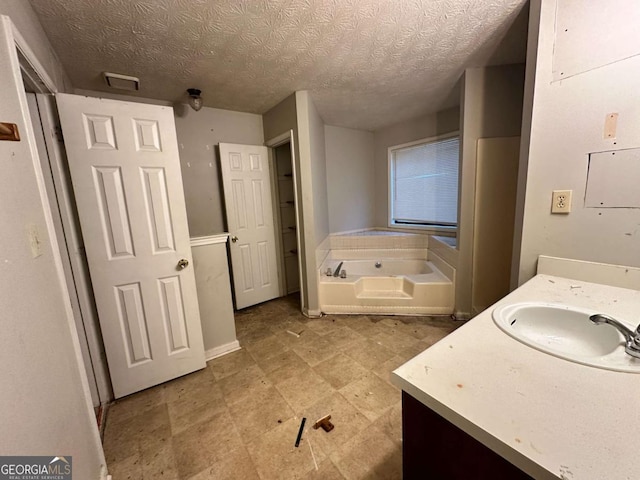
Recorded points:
239,417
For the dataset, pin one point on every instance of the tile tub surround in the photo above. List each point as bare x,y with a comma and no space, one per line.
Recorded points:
239,417
548,416
377,239
442,246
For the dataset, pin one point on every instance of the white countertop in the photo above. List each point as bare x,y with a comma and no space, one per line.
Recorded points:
550,417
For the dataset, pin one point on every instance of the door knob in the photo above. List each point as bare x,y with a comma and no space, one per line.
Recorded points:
234,239
183,263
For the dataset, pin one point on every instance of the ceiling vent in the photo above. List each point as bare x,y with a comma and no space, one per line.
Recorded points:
122,82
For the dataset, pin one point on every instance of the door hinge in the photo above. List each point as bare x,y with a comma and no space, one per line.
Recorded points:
57,132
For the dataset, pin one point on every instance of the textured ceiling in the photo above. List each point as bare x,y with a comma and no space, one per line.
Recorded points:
367,63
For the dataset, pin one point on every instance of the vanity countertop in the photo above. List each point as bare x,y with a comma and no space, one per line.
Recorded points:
550,417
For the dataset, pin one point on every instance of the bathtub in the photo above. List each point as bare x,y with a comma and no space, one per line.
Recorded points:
385,267
398,286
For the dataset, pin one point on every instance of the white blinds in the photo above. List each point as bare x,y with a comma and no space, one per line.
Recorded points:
425,183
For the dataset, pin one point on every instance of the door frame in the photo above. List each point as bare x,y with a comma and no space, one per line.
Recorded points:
287,137
43,84
72,246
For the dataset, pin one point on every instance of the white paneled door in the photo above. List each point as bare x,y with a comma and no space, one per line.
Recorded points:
125,171
248,201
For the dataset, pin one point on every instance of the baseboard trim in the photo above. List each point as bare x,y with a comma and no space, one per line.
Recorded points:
104,474
311,313
221,350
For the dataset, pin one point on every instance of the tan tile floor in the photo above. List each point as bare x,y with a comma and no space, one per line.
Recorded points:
239,417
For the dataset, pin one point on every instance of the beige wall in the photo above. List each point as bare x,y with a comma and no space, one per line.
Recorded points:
28,25
525,139
491,106
198,136
496,185
318,163
45,405
423,127
213,283
281,118
313,188
567,124
350,178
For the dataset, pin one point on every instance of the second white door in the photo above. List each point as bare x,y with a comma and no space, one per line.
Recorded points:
247,192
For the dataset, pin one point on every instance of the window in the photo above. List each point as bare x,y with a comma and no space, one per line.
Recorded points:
423,183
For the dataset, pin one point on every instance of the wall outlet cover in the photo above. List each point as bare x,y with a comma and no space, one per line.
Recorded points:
561,201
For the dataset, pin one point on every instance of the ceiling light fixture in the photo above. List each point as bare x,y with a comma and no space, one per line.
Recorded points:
195,100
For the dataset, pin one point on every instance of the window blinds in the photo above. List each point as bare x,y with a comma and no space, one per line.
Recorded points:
425,183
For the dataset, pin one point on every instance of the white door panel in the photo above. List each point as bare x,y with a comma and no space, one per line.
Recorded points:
247,192
125,171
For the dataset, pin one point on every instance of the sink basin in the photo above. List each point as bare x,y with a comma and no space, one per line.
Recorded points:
566,332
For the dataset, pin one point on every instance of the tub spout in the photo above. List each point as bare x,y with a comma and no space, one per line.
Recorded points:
336,273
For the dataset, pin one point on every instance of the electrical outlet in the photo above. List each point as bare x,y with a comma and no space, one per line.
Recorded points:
561,201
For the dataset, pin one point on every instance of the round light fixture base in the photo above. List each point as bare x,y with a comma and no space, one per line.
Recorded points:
195,100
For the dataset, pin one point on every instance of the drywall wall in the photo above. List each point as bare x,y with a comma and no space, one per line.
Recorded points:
350,178
198,136
29,28
491,106
423,127
45,405
313,180
525,139
280,119
568,123
495,203
318,172
211,268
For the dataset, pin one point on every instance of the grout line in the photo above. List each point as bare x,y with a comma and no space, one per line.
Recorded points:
312,455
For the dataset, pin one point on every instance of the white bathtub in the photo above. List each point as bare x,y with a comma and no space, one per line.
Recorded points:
398,286
388,267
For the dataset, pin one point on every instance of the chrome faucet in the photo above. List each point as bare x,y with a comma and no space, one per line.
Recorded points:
632,339
337,271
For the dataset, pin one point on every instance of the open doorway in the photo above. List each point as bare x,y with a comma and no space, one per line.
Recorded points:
46,127
261,205
288,220
286,210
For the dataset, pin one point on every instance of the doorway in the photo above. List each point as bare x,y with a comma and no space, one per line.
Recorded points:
261,213
288,216
46,127
286,202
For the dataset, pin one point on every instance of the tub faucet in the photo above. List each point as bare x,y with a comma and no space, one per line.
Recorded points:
337,271
632,339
